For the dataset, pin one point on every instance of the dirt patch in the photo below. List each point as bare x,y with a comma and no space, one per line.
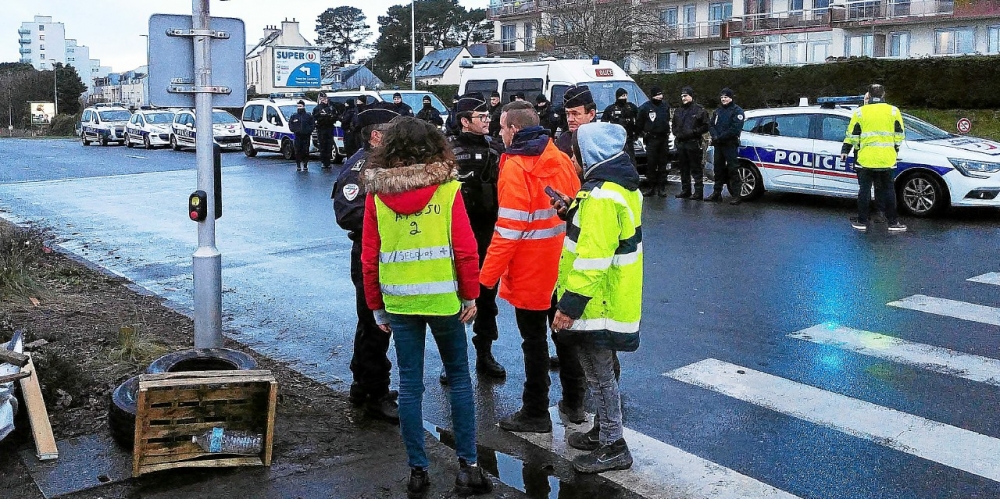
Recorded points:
78,314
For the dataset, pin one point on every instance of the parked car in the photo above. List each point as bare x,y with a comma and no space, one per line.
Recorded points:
226,130
103,124
149,127
797,149
265,127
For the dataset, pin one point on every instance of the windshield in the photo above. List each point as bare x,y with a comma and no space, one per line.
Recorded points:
917,129
415,100
120,115
159,118
223,118
290,109
604,93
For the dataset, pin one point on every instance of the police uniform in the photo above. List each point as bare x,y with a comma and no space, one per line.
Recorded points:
369,364
725,128
301,124
575,96
326,116
653,123
546,116
623,113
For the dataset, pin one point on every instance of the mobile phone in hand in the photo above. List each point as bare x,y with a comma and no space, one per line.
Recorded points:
557,200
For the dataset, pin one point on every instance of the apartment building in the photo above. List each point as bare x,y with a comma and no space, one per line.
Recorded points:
700,34
44,43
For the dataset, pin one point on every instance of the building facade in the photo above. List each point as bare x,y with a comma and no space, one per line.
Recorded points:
260,58
44,43
701,34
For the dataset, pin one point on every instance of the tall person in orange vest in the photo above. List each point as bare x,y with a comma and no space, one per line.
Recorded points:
524,256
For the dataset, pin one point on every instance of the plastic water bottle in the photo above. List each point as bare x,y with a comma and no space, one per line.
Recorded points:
229,442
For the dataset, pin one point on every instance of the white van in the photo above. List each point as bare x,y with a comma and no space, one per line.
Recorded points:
550,77
103,123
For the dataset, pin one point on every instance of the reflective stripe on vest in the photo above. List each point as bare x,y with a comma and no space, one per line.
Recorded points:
416,261
531,234
604,324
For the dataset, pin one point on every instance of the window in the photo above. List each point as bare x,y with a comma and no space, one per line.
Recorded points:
821,4
273,117
530,87
795,6
666,61
484,87
792,125
860,46
955,41
750,123
508,37
993,39
669,16
690,20
718,58
41,27
529,36
899,44
833,128
41,36
253,113
41,47
717,14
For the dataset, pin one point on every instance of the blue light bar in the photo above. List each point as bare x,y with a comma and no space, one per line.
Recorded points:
843,99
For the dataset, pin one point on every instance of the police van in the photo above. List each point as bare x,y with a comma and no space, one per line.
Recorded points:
226,130
797,149
104,124
265,127
149,127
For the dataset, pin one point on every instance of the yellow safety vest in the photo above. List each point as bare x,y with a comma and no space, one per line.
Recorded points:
875,131
416,263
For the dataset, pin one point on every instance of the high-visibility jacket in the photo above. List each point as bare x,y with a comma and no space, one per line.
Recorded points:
416,266
524,252
601,267
876,131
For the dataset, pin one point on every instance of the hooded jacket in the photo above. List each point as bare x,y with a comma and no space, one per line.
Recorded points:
407,190
524,252
600,271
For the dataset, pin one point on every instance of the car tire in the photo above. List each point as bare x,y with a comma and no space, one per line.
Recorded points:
104,141
121,412
921,194
751,182
173,143
83,137
146,143
128,141
203,359
248,148
287,150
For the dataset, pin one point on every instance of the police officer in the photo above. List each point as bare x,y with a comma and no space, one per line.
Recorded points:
690,123
870,130
369,364
429,113
478,158
653,123
325,115
400,107
302,125
546,116
452,126
496,109
623,113
579,108
725,128
351,144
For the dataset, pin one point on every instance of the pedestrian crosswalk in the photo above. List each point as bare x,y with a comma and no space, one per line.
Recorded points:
662,470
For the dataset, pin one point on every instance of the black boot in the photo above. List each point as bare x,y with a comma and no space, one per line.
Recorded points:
520,422
661,190
384,408
418,484
471,480
684,194
487,365
715,197
588,441
699,194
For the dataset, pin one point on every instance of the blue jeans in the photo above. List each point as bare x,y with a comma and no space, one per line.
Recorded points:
408,332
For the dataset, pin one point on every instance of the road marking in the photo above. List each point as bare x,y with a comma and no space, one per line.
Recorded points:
134,156
660,470
990,278
945,444
950,308
932,358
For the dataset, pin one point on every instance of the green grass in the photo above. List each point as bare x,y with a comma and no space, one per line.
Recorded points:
985,122
20,250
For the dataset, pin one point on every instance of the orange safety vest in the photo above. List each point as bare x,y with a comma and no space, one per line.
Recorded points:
526,245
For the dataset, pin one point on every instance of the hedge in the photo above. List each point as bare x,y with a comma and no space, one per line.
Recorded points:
963,82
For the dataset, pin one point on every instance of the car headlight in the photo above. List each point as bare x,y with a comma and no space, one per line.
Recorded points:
974,169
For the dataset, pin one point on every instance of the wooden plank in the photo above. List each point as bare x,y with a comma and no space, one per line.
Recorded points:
206,394
212,463
38,416
203,381
7,378
189,430
272,405
141,422
206,374
9,357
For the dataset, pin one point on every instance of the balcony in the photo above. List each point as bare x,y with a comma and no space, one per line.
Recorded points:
865,12
24,50
23,31
699,31
503,8
772,22
24,41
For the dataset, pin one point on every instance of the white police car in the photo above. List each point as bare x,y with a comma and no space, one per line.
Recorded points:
226,130
104,124
797,149
265,127
150,128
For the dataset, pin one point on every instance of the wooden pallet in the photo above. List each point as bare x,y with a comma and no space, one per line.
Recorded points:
173,407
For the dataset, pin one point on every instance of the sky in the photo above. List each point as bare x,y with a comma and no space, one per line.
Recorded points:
111,28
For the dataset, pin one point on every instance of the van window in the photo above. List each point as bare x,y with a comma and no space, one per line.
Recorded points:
530,87
272,116
484,87
558,93
253,113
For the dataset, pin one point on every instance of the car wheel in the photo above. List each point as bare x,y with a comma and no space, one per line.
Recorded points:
173,143
128,141
83,137
751,182
921,194
287,150
121,412
104,141
248,149
203,359
146,143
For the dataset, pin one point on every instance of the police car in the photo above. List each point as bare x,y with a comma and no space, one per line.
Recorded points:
265,127
226,130
151,128
797,149
104,124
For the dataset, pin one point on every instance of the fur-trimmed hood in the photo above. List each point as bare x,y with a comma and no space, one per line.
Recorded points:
408,189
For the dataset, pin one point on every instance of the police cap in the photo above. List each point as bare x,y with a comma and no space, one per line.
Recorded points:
577,96
472,102
376,114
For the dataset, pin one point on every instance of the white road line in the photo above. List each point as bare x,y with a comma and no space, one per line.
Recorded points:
945,444
990,278
932,358
660,470
950,308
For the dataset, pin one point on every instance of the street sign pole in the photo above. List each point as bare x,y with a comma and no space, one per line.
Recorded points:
207,260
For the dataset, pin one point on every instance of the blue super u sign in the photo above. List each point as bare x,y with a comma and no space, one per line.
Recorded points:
288,54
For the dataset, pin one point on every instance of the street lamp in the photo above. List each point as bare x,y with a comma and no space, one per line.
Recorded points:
413,45
55,87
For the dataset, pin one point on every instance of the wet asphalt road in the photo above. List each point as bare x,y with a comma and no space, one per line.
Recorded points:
722,282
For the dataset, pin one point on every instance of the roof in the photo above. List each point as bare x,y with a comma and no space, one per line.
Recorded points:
346,73
267,40
435,63
478,50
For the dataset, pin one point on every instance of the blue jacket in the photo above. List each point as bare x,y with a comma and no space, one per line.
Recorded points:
726,126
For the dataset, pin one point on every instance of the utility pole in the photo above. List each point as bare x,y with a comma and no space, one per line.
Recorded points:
55,87
413,45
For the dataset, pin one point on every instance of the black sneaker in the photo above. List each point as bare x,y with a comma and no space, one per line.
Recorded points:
575,415
588,441
471,480
487,365
858,224
897,227
384,408
614,456
521,423
418,484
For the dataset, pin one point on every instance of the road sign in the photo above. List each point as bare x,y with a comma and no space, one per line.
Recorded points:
964,125
297,67
171,61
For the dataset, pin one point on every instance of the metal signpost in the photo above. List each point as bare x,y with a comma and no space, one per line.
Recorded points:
191,60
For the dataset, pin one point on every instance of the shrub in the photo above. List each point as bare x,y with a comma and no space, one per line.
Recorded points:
64,125
20,249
